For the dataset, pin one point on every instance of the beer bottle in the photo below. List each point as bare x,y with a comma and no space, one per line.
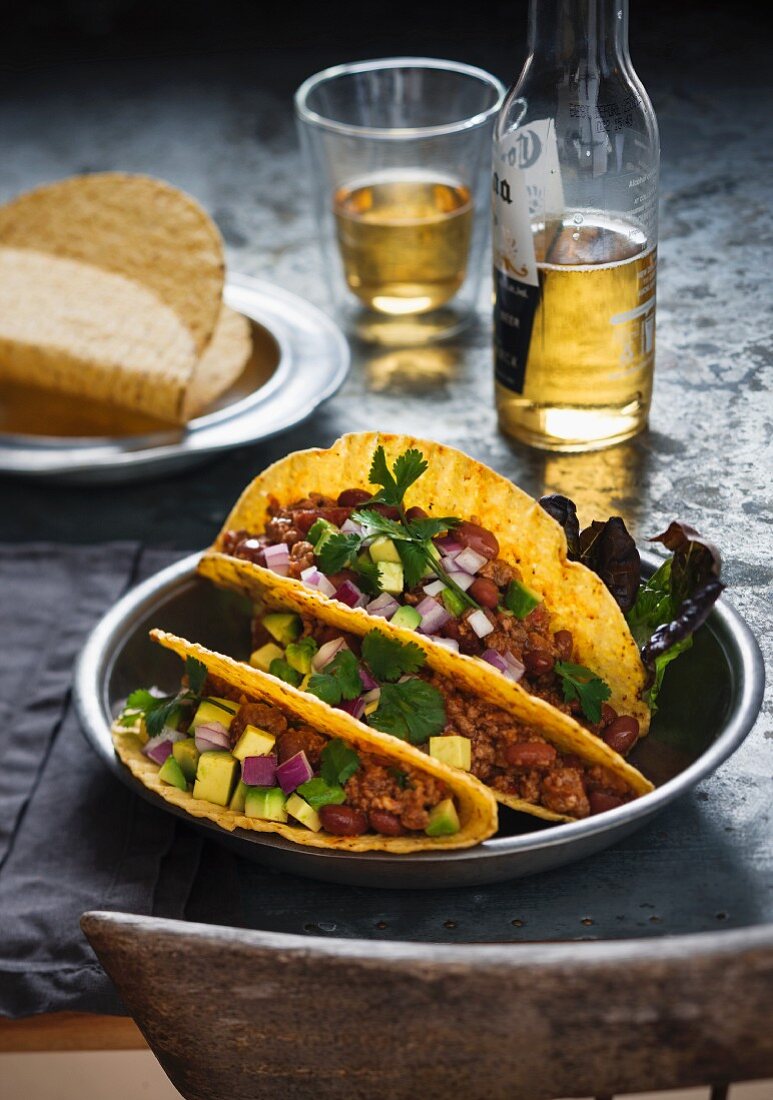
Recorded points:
575,181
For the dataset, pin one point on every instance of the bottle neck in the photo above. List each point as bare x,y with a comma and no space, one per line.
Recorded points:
585,36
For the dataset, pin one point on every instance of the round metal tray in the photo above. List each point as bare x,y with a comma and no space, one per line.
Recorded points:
300,358
709,702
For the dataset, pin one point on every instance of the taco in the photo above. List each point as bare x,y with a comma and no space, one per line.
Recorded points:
396,688
246,750
448,554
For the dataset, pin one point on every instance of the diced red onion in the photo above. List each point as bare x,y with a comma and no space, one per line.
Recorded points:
480,624
293,772
495,659
259,771
448,561
470,560
448,545
461,580
355,707
368,682
349,527
158,748
314,579
371,696
435,588
433,615
211,735
384,606
447,643
326,653
515,668
349,594
278,559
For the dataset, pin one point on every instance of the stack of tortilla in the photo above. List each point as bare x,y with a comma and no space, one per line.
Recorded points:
111,288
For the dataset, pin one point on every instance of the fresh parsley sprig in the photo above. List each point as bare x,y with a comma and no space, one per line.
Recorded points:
389,659
339,680
412,710
159,710
583,685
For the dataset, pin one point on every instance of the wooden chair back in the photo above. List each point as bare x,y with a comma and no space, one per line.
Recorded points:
240,1015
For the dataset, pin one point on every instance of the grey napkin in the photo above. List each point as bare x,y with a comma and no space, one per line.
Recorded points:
72,837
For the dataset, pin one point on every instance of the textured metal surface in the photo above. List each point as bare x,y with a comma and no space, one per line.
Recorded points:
313,358
686,743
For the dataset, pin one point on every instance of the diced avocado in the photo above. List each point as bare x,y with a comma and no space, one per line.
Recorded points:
320,531
303,812
280,668
390,576
215,777
299,654
453,601
262,658
170,772
265,802
453,750
187,756
237,798
443,819
214,709
407,617
383,549
253,742
283,626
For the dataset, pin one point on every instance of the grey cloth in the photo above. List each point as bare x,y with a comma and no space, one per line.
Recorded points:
72,837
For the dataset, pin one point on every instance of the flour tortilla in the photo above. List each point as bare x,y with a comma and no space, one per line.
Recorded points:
456,484
475,805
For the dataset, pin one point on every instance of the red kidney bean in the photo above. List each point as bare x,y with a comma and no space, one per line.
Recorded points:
252,550
485,592
450,629
608,714
304,519
477,538
537,661
385,823
353,498
564,642
415,513
622,734
386,510
530,754
599,801
288,744
343,820
336,516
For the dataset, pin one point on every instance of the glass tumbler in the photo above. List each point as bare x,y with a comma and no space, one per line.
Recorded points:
397,153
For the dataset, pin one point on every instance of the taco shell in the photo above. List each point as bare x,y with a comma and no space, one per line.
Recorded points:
456,484
475,804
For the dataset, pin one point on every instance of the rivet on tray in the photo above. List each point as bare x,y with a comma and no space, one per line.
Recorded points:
449,924
518,923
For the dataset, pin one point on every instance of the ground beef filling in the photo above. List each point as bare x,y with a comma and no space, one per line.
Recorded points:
382,796
507,755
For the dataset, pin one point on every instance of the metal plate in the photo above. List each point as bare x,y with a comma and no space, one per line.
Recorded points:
300,358
710,700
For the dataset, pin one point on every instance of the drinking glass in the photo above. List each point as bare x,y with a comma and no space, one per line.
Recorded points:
397,152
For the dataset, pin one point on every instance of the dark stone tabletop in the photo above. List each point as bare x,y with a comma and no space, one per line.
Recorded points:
222,128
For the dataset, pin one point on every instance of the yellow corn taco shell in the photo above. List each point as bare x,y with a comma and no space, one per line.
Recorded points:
561,734
475,804
455,484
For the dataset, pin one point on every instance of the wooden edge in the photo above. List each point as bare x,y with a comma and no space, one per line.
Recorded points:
52,1031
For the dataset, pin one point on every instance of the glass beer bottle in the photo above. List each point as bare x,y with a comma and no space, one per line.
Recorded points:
575,183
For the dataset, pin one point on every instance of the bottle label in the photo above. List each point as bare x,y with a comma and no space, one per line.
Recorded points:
526,189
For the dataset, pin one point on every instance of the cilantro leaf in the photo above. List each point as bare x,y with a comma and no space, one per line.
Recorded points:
144,700
319,793
380,474
414,557
388,658
340,679
156,719
338,762
196,672
413,711
373,523
283,671
368,576
338,551
408,467
422,530
520,600
580,683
